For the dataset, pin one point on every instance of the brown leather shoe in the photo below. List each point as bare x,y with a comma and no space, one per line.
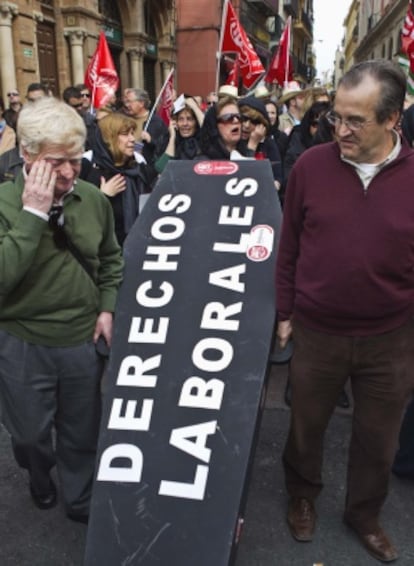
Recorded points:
301,518
378,545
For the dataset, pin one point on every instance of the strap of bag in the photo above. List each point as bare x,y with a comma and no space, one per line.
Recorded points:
77,255
62,238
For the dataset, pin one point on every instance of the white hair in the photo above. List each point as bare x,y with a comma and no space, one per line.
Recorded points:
50,122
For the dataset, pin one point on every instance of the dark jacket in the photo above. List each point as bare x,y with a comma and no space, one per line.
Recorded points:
125,205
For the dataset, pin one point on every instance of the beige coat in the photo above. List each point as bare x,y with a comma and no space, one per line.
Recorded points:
8,139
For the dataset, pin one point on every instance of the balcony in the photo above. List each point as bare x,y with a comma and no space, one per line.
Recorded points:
267,7
303,72
304,26
291,7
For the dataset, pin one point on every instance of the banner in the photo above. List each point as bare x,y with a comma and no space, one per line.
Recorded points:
234,40
166,101
192,336
101,76
281,66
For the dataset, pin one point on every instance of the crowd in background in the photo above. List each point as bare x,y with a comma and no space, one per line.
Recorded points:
126,148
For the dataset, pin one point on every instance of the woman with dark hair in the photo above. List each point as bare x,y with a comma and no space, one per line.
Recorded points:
186,121
221,131
302,136
256,135
117,170
280,137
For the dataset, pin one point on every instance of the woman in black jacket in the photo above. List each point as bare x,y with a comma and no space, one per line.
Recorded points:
117,170
256,135
302,136
221,130
186,121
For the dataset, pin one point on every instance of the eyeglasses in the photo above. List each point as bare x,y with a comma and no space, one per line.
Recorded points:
353,124
56,224
12,94
229,118
246,118
58,162
85,95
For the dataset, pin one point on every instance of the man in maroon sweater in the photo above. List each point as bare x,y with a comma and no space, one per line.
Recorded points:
345,289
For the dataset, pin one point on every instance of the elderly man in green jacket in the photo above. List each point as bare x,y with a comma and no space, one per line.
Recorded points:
60,268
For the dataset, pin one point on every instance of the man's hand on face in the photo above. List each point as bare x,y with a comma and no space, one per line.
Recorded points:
39,186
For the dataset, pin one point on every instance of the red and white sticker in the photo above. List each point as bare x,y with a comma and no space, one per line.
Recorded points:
261,241
216,168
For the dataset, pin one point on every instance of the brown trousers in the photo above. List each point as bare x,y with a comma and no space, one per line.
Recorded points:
381,369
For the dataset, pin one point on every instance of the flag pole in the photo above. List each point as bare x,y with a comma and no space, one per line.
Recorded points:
287,53
223,19
151,114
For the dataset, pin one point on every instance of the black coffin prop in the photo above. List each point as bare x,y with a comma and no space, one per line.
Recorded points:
192,337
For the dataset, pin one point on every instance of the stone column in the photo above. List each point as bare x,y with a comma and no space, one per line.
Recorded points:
140,17
7,67
76,40
137,67
166,67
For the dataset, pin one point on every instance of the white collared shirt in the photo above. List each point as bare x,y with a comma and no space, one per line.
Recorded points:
367,171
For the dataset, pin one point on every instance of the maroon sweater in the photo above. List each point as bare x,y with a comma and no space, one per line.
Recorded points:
346,257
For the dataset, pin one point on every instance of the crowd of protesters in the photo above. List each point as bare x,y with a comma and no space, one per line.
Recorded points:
46,208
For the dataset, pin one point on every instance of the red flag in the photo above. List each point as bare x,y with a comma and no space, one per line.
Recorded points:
101,76
281,66
235,40
166,102
233,76
407,36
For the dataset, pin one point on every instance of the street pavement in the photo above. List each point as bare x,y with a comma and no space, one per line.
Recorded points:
31,537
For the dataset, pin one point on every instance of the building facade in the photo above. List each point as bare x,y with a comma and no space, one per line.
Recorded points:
302,38
379,29
51,41
198,37
351,25
199,27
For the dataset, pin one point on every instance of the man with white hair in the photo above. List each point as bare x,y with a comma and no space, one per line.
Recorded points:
60,268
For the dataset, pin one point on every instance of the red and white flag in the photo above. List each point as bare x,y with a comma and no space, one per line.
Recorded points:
166,98
407,33
233,76
101,76
281,67
234,40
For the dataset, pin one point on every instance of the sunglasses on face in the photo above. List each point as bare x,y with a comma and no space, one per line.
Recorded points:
12,94
229,118
85,95
56,224
253,121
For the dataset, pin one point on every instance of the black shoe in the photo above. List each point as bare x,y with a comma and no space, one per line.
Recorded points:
44,500
78,518
288,392
343,400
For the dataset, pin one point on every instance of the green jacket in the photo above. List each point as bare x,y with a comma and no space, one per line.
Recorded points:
46,296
